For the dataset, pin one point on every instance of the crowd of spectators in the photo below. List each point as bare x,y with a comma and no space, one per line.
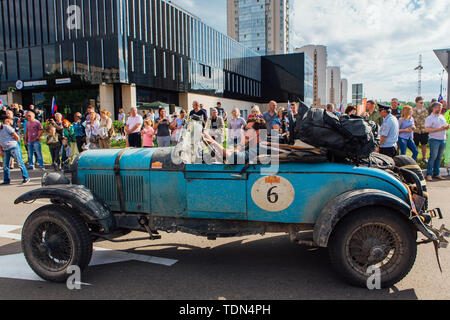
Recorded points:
408,127
401,129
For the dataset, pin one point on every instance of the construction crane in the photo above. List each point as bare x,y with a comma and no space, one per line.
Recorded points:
419,71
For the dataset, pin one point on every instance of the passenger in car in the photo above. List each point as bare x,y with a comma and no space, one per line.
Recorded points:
255,131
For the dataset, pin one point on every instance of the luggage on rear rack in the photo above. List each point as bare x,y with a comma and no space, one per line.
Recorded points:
345,137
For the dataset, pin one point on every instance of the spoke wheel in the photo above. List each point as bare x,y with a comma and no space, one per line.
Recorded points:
53,239
373,237
52,246
375,245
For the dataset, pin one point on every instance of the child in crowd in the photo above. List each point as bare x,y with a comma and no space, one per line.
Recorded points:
66,152
92,134
148,133
54,144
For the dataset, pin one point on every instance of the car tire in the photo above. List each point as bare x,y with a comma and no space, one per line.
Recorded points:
55,238
360,240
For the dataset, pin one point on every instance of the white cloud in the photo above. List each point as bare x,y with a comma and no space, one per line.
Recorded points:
212,12
378,42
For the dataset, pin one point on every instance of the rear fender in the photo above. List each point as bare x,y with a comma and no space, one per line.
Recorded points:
339,207
80,198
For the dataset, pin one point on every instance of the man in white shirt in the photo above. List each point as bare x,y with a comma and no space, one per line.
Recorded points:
133,129
437,127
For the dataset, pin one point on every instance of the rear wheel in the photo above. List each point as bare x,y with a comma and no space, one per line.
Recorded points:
373,240
53,239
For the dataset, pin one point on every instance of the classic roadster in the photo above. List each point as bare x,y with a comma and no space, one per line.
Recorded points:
365,216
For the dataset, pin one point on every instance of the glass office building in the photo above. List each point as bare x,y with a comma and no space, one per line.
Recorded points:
357,94
252,25
106,50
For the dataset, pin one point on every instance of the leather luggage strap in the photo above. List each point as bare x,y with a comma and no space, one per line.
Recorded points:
119,180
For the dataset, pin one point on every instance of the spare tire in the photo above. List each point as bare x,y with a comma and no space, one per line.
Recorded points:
406,162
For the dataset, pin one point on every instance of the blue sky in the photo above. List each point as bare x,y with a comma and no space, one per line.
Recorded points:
376,42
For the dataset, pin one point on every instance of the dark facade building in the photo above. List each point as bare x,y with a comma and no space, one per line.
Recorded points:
288,77
357,94
122,53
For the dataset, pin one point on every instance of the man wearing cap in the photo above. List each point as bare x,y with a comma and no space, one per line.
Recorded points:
389,132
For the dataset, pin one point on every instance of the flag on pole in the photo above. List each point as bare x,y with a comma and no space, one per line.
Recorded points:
441,99
54,106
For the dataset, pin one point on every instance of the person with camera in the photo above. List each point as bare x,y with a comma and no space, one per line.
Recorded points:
162,127
57,122
280,126
10,148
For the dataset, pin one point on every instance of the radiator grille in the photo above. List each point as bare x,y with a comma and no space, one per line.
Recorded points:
133,188
104,186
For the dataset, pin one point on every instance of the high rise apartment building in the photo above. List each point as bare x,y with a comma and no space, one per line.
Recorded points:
334,85
344,93
318,54
262,25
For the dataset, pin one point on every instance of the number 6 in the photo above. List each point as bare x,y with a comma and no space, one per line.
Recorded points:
271,194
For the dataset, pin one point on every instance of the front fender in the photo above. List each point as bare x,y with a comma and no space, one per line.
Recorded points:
80,198
347,202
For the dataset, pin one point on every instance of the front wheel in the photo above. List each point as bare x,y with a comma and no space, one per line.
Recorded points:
53,239
371,242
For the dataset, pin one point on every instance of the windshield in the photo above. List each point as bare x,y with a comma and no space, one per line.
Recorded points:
189,149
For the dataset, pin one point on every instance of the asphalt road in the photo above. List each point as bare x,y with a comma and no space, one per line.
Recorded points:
256,267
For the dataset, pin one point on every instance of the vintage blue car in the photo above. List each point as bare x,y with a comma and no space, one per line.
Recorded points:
366,216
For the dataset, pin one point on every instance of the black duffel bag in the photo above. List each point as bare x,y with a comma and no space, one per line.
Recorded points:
344,136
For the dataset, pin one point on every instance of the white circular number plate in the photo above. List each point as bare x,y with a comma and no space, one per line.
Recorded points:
273,193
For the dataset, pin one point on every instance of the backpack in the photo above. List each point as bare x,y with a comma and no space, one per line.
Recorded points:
344,136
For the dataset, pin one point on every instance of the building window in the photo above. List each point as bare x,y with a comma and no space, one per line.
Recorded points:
181,70
164,65
173,67
154,63
144,66
132,56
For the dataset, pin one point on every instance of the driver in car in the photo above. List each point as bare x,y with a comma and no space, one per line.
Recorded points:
254,132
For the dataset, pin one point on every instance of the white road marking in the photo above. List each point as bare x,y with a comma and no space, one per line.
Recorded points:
6,229
15,266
